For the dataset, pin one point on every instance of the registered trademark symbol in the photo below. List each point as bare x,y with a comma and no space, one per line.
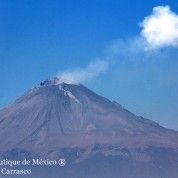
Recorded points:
62,162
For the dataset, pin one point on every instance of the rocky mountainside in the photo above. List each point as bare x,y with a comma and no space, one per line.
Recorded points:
64,118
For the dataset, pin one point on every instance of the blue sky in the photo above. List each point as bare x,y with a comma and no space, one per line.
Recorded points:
42,38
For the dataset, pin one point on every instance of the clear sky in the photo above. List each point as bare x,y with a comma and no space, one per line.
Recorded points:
110,43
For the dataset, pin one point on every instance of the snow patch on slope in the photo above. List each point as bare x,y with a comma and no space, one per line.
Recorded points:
70,95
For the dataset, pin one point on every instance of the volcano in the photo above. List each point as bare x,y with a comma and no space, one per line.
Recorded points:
98,137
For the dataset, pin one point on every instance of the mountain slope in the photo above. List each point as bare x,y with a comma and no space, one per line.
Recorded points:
60,117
